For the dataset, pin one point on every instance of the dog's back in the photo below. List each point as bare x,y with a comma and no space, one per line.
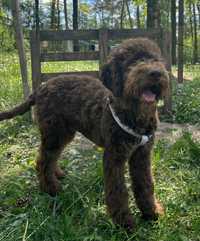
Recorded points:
75,101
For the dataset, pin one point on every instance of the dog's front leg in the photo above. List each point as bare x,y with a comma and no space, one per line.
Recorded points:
116,194
142,182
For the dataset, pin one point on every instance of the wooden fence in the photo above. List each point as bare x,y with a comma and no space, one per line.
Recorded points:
103,36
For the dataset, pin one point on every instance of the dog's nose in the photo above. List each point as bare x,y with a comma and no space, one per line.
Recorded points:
155,74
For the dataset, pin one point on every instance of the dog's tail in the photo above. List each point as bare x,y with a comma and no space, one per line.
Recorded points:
18,110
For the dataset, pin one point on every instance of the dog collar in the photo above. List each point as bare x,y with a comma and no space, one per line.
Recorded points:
144,138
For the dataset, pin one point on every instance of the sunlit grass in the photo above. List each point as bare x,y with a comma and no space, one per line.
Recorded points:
78,213
71,66
190,71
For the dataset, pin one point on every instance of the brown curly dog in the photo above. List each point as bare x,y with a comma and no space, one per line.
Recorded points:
123,123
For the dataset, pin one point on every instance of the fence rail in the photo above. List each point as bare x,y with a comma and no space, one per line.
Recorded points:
103,36
60,35
74,56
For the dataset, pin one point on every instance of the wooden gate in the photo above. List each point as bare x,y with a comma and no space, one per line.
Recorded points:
103,36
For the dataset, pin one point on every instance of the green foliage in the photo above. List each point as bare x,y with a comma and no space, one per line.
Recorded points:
186,102
78,212
10,85
70,66
185,151
6,33
188,49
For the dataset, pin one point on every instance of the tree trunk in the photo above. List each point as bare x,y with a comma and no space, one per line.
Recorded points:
66,15
75,14
75,22
153,13
138,17
112,14
173,29
150,14
198,8
180,40
53,14
20,46
122,14
129,14
157,17
58,11
66,24
191,22
37,19
195,47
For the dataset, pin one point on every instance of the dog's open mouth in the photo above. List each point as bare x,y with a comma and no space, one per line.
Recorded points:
151,93
149,96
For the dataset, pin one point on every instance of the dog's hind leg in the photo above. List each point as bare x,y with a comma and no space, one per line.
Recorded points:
53,140
142,183
116,194
69,136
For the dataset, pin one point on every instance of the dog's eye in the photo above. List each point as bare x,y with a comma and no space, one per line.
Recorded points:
155,74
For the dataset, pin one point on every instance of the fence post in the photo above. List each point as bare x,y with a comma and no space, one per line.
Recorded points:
35,60
35,65
103,46
165,44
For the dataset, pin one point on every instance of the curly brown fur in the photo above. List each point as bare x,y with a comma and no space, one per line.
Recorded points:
67,104
129,53
133,67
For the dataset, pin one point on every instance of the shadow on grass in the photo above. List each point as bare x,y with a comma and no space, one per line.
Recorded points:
78,212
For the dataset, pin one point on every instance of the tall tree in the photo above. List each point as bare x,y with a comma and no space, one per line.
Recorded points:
173,30
58,11
180,39
75,22
153,13
20,46
75,14
191,21
195,48
138,16
66,14
129,14
53,14
122,14
198,8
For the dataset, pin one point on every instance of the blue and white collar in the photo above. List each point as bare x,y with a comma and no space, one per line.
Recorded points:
144,138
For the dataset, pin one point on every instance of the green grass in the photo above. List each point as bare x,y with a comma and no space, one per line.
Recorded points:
78,213
186,101
70,66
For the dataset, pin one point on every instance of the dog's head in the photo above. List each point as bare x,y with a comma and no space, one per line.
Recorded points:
135,70
146,81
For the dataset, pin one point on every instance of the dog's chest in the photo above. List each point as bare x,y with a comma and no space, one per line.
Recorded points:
125,143
129,149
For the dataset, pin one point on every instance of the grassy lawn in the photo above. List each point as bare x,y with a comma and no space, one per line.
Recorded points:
78,213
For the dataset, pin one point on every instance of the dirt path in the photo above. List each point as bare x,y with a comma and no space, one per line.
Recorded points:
174,131
165,130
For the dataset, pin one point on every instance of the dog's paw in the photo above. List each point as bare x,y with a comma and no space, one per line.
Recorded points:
52,188
157,211
59,173
126,221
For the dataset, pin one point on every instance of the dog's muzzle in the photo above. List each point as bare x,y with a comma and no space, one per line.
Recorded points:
152,92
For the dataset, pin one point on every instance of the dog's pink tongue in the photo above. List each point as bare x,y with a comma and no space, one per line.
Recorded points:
149,96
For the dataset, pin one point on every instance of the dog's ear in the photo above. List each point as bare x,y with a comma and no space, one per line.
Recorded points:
106,76
112,77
